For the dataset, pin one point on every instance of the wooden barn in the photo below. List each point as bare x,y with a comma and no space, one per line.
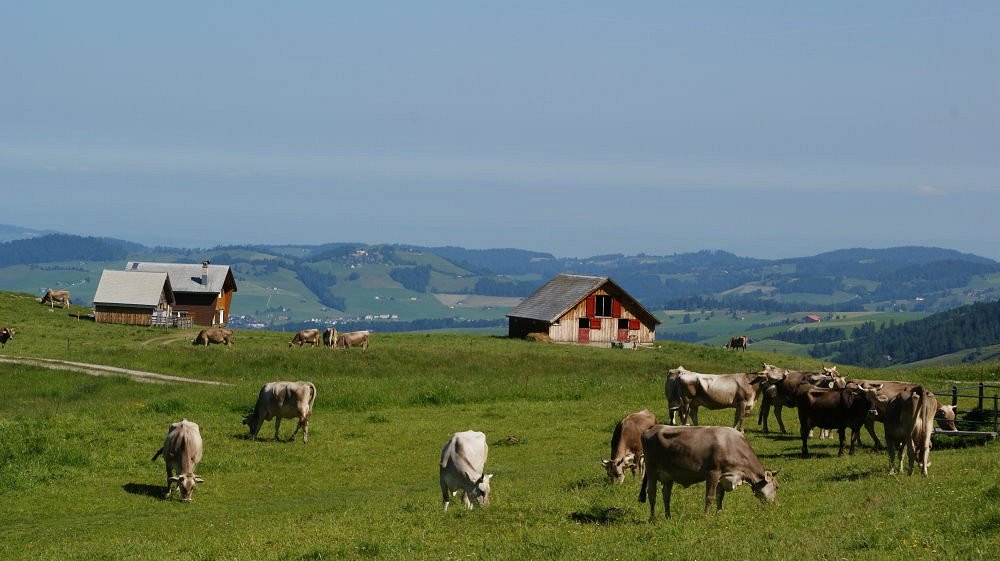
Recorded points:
204,291
583,309
132,298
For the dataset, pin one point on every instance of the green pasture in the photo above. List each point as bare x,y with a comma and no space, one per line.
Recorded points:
76,481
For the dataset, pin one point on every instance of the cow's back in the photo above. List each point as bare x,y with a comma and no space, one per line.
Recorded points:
183,446
686,454
628,433
465,454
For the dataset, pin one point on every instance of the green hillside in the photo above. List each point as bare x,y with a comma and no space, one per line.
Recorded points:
76,481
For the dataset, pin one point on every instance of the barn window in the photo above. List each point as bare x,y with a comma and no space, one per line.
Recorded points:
595,323
584,323
623,323
602,306
633,324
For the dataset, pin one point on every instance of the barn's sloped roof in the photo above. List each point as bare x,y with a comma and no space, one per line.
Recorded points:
565,291
131,288
186,277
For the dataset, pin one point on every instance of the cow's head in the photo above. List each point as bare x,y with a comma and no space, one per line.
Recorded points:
253,422
945,417
185,483
774,373
767,488
480,492
616,468
868,392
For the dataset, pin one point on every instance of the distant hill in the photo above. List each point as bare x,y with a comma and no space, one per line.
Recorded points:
966,327
63,247
9,233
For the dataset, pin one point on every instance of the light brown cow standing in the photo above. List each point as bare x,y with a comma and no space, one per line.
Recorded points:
354,339
310,336
686,391
214,336
182,451
330,337
626,445
56,297
283,400
909,422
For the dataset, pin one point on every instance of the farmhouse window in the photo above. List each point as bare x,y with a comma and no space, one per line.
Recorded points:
602,306
595,323
584,323
633,324
623,324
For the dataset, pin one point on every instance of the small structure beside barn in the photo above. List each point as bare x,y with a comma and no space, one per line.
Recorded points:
132,298
583,309
204,291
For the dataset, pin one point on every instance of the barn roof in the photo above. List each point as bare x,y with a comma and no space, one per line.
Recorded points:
131,288
564,291
186,277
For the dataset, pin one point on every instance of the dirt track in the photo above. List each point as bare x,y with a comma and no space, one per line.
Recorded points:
101,370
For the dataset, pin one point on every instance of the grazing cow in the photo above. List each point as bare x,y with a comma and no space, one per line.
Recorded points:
834,409
740,342
462,461
181,452
888,390
330,337
719,456
214,336
779,390
56,297
686,391
626,445
354,339
310,336
945,417
6,334
283,400
909,422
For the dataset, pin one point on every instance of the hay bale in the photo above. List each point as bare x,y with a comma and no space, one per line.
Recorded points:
538,337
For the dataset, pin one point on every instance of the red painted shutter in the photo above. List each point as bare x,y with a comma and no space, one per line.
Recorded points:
616,308
633,324
595,323
591,304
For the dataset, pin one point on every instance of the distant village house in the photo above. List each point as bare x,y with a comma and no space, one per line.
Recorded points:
811,318
204,291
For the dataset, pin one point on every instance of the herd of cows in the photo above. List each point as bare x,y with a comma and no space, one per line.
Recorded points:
330,338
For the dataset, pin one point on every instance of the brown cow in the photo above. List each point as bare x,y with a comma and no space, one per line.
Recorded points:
686,391
6,334
181,452
214,336
834,409
780,389
310,336
719,456
330,337
909,422
626,445
740,342
945,417
56,297
283,400
354,339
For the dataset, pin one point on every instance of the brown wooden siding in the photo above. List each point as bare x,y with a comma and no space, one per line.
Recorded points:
123,314
567,328
200,307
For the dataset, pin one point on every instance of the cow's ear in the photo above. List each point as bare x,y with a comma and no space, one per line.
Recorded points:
605,463
487,477
198,479
174,479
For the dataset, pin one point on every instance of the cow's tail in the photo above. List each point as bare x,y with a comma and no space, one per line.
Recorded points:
312,397
157,454
642,488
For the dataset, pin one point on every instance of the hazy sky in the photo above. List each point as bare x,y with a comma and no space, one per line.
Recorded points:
765,128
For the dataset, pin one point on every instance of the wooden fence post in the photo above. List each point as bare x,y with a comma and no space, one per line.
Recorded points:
954,395
980,395
996,413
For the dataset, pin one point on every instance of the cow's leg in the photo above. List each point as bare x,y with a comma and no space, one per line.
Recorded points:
305,429
738,418
466,501
718,499
651,495
277,425
777,415
840,433
711,485
870,427
170,474
668,487
298,425
765,410
444,495
694,414
804,429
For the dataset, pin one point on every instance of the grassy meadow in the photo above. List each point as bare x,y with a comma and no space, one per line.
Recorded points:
76,481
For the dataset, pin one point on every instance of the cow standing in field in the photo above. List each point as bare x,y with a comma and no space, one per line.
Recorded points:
181,452
354,339
214,336
686,391
781,386
330,337
310,336
834,409
56,297
719,456
461,469
740,342
6,334
909,422
283,400
626,445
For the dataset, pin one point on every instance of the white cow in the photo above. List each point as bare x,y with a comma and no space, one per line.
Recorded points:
182,451
462,462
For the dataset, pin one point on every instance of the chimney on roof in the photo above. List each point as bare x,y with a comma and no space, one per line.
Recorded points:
204,272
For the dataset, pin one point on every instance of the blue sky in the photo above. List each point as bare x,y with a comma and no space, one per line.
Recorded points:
768,128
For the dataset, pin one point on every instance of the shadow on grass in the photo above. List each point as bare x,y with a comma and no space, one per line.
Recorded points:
588,482
855,474
155,491
599,515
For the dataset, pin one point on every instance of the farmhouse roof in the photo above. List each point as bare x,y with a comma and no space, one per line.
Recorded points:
186,277
564,291
129,288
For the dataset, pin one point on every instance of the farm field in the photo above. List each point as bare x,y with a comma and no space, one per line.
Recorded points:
76,481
